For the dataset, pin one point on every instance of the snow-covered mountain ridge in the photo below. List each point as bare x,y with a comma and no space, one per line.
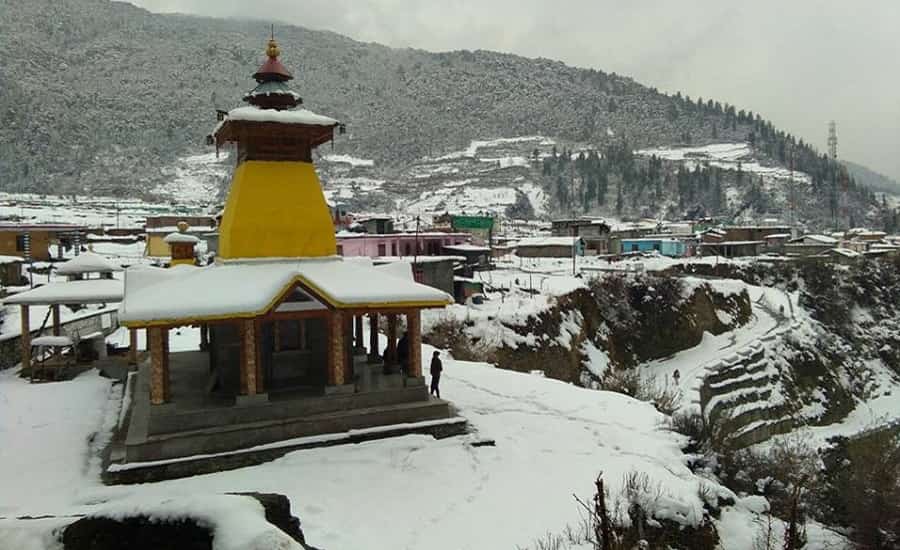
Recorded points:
81,118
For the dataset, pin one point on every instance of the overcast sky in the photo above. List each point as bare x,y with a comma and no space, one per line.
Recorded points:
800,63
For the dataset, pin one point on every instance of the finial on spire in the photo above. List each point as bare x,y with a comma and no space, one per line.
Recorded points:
272,49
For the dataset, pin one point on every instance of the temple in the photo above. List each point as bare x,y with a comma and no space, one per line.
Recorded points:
290,333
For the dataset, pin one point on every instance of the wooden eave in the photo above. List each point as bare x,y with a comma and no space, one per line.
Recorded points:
244,130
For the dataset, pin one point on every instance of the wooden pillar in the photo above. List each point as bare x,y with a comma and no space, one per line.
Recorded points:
204,337
25,339
358,327
336,355
414,340
391,353
158,365
276,335
348,347
249,361
132,346
373,337
57,321
166,371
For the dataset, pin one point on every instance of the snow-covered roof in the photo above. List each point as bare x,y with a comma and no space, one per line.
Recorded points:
651,240
55,341
845,252
297,116
91,291
249,288
466,247
820,239
173,229
778,236
10,259
548,241
731,243
380,260
178,237
87,262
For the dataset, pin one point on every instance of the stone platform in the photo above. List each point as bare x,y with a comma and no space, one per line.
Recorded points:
197,423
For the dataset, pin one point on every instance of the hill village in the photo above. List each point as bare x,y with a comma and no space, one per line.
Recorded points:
410,377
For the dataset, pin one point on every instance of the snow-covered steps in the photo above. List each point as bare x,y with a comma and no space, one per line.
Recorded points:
742,393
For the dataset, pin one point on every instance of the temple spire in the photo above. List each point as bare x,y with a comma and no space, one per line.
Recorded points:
272,90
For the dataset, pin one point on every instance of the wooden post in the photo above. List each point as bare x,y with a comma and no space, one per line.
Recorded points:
360,345
132,346
391,353
157,366
373,337
56,319
166,378
347,343
414,340
248,357
25,339
204,337
336,355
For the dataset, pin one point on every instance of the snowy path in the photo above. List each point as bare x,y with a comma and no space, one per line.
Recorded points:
695,363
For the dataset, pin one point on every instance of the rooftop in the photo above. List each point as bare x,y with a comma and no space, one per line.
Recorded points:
91,291
247,288
87,262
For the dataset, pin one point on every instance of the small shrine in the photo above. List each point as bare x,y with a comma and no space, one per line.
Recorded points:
291,341
182,245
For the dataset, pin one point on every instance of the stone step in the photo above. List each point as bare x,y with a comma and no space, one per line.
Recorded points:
732,370
761,431
722,404
244,435
754,378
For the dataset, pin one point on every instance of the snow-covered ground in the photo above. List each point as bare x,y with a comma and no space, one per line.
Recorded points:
729,156
551,438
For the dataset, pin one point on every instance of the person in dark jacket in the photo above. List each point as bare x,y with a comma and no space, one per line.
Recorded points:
436,368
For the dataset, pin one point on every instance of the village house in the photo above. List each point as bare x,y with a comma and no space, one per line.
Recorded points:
283,352
396,244
550,247
810,245
630,230
377,225
479,228
11,271
665,246
594,232
33,241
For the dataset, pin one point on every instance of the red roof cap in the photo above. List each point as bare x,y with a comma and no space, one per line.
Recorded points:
272,69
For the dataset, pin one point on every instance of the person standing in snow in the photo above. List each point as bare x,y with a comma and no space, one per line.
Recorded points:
436,368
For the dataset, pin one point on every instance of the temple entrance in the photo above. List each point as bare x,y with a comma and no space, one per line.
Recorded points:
293,353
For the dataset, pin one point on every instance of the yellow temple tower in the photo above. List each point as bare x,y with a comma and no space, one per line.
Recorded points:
275,208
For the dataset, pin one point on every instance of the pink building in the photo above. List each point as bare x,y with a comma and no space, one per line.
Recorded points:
396,244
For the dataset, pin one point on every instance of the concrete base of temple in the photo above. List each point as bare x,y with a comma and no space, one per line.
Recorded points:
194,424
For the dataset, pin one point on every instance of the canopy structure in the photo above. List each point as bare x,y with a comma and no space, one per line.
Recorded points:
87,262
245,289
91,291
80,292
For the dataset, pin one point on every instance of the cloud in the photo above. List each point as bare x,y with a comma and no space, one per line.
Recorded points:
800,64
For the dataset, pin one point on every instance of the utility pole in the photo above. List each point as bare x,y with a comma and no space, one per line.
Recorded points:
832,140
574,241
416,252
